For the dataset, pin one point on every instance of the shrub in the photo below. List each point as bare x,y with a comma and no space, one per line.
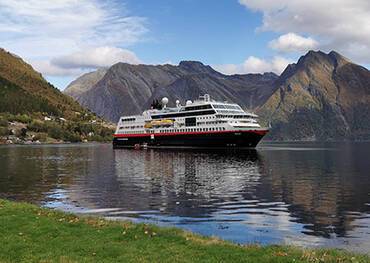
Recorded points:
22,133
4,131
37,126
55,132
71,137
3,122
23,118
40,137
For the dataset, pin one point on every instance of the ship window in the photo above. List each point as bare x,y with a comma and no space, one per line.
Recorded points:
218,106
190,122
127,119
201,107
183,114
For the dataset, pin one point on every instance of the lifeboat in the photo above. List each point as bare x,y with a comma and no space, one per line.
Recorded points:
164,123
148,125
155,123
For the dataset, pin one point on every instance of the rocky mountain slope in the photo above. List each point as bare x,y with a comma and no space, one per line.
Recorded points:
84,82
321,97
130,89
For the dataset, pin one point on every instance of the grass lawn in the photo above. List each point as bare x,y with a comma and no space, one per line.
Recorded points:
32,234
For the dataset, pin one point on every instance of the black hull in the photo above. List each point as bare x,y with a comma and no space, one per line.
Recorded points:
235,139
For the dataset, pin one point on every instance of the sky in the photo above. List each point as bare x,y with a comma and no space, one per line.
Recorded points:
63,39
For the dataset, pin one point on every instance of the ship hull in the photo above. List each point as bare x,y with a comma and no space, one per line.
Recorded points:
220,139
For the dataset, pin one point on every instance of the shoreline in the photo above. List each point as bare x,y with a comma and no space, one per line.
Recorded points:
31,234
262,143
55,143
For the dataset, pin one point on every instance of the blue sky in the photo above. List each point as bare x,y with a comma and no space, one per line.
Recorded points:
66,38
215,32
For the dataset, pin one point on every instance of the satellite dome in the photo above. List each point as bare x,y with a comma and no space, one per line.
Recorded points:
165,101
189,102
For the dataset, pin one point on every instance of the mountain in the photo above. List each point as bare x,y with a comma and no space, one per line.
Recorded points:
130,89
20,82
321,97
81,84
32,110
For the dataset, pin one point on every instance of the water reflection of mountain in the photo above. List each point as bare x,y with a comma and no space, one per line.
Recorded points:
320,187
323,189
327,189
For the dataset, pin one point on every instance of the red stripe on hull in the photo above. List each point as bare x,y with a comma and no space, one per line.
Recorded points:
259,132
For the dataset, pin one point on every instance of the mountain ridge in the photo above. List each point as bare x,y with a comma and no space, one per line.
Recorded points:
317,98
140,84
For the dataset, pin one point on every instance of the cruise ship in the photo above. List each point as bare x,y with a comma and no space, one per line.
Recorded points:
203,123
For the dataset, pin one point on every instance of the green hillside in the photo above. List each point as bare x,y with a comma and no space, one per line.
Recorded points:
32,110
16,100
18,72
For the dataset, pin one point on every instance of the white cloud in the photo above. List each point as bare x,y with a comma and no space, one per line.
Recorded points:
96,57
255,65
49,69
341,25
78,63
41,30
229,69
292,42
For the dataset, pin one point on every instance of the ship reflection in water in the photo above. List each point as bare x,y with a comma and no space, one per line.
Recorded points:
302,194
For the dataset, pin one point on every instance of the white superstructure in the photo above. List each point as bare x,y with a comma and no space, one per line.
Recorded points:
202,115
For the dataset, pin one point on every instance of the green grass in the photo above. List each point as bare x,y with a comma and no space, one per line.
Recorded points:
32,234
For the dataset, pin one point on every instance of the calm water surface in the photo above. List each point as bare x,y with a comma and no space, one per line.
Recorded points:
303,193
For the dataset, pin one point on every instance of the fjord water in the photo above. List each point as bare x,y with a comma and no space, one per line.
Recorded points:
307,194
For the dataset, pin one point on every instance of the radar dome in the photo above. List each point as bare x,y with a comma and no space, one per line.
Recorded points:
189,102
165,101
